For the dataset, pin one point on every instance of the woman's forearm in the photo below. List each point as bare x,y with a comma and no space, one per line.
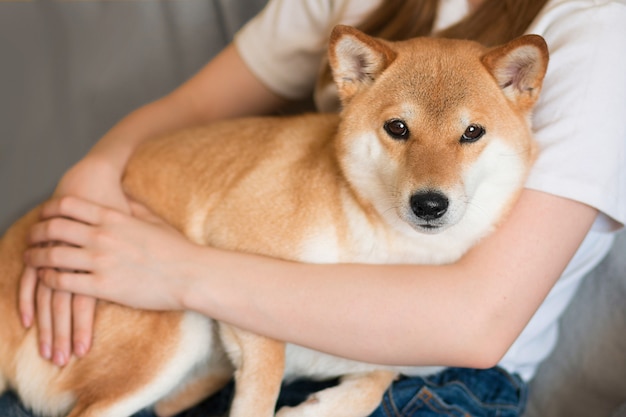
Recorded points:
153,119
388,314
203,98
465,314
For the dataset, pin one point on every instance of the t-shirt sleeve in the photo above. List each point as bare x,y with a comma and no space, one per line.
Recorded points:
580,120
284,44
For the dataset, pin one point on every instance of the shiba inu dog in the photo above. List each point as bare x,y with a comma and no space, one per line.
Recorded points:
430,150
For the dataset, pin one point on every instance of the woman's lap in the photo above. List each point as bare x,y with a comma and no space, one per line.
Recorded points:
456,392
453,392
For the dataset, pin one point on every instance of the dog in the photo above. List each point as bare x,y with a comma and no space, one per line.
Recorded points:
429,152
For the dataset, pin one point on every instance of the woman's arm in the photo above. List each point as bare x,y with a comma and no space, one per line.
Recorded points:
215,92
464,314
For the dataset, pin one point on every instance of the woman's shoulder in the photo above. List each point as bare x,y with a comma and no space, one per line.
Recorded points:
579,120
584,37
320,13
284,44
593,15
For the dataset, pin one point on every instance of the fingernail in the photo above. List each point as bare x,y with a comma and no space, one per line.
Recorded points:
80,350
27,321
45,351
59,358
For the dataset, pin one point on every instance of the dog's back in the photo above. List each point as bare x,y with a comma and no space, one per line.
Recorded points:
248,184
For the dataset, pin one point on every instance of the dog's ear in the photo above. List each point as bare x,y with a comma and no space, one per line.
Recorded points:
519,67
356,59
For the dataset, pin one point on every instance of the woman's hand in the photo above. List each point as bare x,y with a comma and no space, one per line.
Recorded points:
65,321
213,93
136,260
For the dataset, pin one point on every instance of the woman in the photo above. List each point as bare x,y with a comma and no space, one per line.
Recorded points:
497,306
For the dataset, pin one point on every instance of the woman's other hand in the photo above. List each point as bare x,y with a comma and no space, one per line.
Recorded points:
132,259
65,320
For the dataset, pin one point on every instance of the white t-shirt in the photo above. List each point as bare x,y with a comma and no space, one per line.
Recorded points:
579,121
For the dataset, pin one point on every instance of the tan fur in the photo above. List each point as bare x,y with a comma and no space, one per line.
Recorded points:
124,358
313,188
189,395
129,348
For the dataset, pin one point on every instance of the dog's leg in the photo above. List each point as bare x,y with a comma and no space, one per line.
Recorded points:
194,392
357,395
259,364
97,409
82,411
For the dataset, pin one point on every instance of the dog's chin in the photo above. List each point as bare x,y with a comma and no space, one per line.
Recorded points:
425,227
407,221
429,228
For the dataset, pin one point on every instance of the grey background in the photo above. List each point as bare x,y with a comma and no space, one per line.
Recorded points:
69,70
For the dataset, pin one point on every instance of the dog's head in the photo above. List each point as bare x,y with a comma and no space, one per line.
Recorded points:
436,132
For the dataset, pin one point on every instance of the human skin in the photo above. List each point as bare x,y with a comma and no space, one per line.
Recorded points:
64,319
470,312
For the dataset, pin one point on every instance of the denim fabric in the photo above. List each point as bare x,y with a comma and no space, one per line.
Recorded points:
10,406
455,392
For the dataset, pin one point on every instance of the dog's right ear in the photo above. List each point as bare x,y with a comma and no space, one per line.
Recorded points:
356,60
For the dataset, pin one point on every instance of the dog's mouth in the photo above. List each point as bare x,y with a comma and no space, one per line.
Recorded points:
422,226
430,228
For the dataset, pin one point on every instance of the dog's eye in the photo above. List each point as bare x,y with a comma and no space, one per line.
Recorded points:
472,133
397,129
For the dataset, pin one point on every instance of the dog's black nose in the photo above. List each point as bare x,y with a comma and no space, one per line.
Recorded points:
429,205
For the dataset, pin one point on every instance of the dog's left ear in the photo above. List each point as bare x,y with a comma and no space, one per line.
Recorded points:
356,60
519,67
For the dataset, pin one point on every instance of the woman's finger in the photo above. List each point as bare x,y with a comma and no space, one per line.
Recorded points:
71,315
73,208
44,320
83,313
61,327
60,229
69,281
28,286
59,256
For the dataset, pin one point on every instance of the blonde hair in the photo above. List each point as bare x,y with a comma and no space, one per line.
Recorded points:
493,22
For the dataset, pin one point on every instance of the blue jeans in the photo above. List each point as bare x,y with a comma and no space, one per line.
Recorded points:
454,392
